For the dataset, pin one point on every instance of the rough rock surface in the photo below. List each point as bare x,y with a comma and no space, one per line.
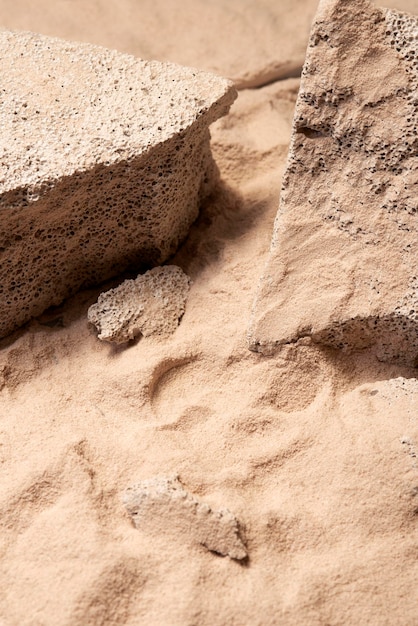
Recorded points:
163,506
342,267
151,304
104,162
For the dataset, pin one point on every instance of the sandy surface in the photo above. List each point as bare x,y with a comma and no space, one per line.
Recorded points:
314,452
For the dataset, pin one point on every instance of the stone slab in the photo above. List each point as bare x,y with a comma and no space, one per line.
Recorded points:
104,160
343,261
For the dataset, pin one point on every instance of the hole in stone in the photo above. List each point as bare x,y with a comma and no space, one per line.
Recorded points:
310,132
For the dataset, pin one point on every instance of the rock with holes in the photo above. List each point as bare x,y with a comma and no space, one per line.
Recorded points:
343,261
104,162
151,304
161,506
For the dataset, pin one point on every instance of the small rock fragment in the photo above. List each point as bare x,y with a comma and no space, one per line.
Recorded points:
162,506
151,304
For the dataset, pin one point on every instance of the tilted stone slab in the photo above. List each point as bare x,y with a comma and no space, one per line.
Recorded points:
344,254
104,160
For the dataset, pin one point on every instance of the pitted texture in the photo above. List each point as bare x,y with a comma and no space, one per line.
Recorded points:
151,304
104,161
162,507
342,265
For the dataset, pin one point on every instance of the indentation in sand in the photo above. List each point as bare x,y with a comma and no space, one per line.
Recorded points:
178,385
293,381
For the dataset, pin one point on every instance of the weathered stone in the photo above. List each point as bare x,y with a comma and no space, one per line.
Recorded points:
343,260
104,162
151,304
161,506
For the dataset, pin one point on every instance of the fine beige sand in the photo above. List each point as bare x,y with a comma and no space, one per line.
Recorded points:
313,451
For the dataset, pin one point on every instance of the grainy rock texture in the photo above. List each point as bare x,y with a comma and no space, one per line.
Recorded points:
151,304
163,506
343,262
104,162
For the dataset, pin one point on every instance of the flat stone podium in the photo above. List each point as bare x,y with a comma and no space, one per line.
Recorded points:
104,161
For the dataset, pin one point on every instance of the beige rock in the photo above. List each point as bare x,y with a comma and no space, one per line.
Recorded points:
151,304
162,506
342,267
104,162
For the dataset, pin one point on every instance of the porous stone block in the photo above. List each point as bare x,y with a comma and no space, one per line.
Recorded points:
151,304
104,162
342,268
161,506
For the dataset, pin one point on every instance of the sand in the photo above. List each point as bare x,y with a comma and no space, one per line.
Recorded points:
313,451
